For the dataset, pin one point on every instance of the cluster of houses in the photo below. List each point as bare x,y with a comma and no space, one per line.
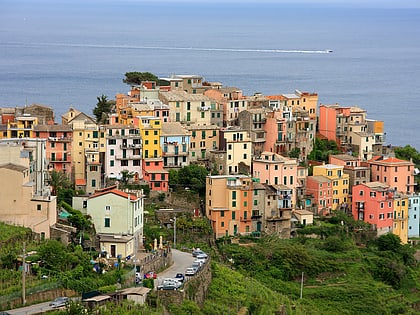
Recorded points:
257,145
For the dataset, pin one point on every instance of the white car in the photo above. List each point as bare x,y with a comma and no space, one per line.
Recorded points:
60,302
190,271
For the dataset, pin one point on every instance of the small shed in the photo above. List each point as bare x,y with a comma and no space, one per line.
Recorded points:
304,217
97,300
138,294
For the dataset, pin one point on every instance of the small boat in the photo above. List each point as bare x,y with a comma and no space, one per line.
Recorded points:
329,51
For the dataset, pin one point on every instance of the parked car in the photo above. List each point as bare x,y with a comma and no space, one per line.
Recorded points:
203,255
180,277
60,302
197,251
190,271
197,265
150,275
170,284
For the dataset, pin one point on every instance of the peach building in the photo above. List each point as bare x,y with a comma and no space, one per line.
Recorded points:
398,174
274,169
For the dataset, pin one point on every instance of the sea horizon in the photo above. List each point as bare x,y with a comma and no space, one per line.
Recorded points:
65,55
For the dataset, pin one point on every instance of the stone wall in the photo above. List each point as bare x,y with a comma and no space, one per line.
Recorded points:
195,289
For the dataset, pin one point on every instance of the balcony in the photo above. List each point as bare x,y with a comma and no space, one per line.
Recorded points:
128,157
59,139
256,214
242,219
203,108
278,218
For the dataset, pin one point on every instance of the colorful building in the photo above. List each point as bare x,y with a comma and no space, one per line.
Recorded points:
175,142
320,189
373,203
414,215
117,215
398,174
228,204
58,146
123,151
274,169
401,214
340,184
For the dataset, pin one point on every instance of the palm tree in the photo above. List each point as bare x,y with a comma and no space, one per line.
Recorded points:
58,180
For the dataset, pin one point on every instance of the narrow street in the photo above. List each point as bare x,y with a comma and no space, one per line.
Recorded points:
181,261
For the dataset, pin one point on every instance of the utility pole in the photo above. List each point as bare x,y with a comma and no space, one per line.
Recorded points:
301,286
174,232
24,275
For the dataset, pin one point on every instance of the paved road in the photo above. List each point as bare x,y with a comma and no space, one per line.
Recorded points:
182,261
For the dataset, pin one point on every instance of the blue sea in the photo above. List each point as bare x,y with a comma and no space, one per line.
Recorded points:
66,53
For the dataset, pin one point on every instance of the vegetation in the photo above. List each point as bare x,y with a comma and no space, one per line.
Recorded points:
192,177
323,149
135,78
103,108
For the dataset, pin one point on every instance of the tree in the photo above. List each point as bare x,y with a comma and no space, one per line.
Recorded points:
58,181
408,153
135,78
294,153
323,149
103,109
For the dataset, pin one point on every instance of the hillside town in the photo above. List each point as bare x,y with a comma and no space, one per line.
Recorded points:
255,149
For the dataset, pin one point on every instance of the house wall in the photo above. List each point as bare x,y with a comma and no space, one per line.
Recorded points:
20,207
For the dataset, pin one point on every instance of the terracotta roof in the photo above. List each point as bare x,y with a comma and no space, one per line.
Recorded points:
80,182
395,160
115,192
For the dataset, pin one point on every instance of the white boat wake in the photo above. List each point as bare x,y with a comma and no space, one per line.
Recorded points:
293,51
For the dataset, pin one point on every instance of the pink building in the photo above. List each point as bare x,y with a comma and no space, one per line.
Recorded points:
398,174
331,119
58,146
373,203
320,189
274,169
275,132
155,175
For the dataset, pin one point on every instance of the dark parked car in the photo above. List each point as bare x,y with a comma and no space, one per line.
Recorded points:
180,277
60,302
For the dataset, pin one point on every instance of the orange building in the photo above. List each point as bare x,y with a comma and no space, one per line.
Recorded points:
229,204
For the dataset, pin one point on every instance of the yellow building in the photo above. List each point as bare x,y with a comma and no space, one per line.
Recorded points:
188,108
150,130
340,183
85,151
400,226
203,139
304,100
22,127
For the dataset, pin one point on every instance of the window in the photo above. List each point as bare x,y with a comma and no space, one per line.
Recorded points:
222,224
361,193
38,207
395,179
93,182
222,214
233,215
233,204
107,222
